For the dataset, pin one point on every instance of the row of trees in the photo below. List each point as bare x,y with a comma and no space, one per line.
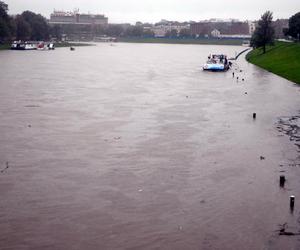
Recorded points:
31,26
294,27
28,25
265,34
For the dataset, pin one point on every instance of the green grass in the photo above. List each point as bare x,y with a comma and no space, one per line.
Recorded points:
181,41
4,46
282,59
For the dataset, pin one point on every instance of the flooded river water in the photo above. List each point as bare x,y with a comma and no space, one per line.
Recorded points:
133,146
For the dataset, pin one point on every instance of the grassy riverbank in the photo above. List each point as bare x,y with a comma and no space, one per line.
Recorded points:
181,40
282,59
73,44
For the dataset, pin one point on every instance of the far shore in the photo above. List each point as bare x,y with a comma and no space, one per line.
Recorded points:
6,46
200,41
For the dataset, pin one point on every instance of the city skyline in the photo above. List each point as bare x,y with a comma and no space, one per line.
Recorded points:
153,11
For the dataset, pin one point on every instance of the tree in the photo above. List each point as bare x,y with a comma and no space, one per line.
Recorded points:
148,33
294,26
113,30
56,32
38,25
184,32
172,33
264,33
5,22
23,29
134,31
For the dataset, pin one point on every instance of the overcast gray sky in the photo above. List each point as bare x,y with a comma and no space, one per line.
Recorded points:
154,10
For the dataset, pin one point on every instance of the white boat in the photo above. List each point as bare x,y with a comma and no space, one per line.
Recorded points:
45,46
32,45
217,63
19,45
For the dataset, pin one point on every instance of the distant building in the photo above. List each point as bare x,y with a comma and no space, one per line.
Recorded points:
279,25
252,27
215,33
76,26
63,17
233,29
163,27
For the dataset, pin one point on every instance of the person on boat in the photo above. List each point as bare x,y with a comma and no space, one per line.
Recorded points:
221,58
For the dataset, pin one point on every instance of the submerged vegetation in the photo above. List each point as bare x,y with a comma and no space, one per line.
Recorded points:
282,59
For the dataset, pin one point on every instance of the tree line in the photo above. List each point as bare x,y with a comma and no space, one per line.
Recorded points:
32,26
26,26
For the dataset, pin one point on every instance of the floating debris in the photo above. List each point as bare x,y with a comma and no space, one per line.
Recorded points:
281,180
6,167
283,228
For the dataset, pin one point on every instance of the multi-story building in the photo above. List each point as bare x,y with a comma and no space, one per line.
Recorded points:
279,26
252,27
74,25
164,27
63,17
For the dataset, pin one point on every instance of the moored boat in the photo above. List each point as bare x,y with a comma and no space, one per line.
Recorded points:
217,63
32,45
45,46
19,45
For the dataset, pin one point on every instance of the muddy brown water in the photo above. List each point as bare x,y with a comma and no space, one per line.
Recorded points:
133,146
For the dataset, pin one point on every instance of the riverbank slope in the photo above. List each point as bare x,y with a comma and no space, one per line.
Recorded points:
282,59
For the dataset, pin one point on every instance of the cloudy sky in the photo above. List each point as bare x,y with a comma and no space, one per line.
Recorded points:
154,10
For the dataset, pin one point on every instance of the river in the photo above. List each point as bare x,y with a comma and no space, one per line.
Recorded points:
133,146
